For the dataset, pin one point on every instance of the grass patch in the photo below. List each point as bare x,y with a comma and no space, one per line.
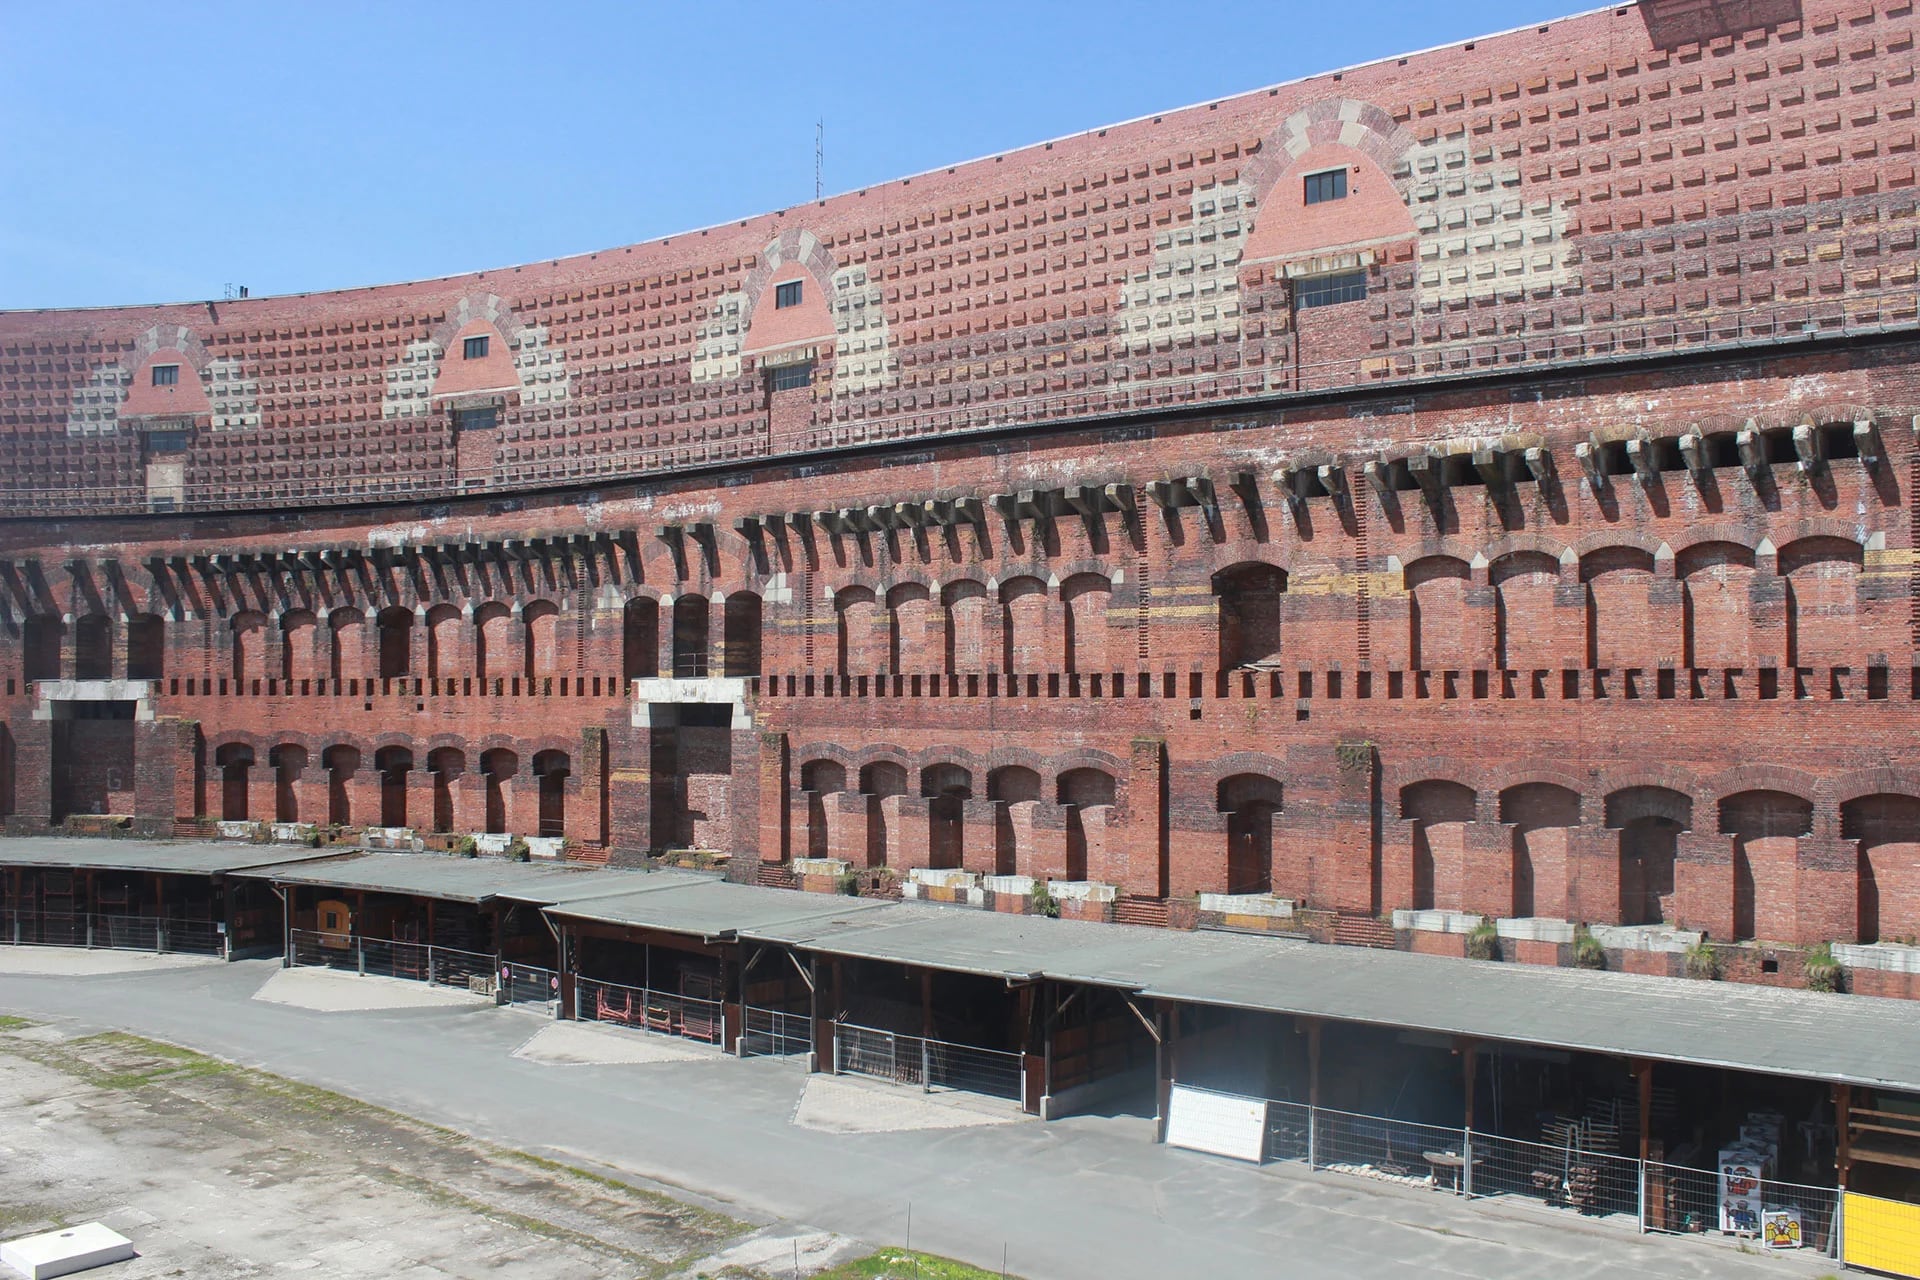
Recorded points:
9,1022
907,1264
79,1058
718,1225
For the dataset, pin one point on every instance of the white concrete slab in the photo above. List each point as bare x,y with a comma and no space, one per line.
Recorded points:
61,1253
79,962
579,1044
330,991
842,1104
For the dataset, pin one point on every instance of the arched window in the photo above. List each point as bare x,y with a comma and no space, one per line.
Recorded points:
146,647
965,642
235,762
1023,603
492,641
1824,619
740,647
908,608
1718,578
640,639
1539,813
541,619
299,642
861,641
1887,828
498,768
340,763
393,765
947,788
93,647
1247,603
1443,634
448,766
443,642
1619,611
818,780
1011,786
690,637
1081,790
1766,827
289,762
552,768
249,644
45,633
1085,597
1250,801
1526,633
879,780
396,646
348,627
1430,805
1649,820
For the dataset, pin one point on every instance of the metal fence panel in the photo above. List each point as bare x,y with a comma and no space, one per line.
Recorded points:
1289,1130
529,983
654,1011
931,1064
774,1033
1882,1235
1595,1183
1400,1151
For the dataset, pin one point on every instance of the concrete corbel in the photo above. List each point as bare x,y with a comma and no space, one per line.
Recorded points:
1806,449
1866,442
1589,459
1540,464
1753,453
1693,452
1640,454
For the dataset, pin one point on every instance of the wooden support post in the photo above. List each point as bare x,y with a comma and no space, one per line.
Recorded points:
1167,1020
1643,1076
1470,1064
1313,1062
1843,1133
926,1003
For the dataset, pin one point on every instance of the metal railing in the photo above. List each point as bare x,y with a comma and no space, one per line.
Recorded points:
529,984
657,1012
106,931
1646,1195
931,1064
773,1033
390,958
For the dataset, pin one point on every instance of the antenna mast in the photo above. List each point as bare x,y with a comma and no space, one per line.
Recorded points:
819,153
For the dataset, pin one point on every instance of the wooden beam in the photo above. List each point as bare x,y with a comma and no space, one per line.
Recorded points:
1643,1076
1843,1131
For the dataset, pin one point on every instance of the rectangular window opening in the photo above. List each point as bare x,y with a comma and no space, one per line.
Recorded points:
1329,184
1330,290
790,377
476,419
786,295
166,375
474,348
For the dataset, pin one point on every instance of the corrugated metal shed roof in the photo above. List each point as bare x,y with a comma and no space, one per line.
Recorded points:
198,858
458,879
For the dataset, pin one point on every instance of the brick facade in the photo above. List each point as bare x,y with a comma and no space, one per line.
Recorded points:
1569,572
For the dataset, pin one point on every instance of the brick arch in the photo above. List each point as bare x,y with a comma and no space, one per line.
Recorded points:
1716,531
1505,777
884,753
326,741
1514,544
499,742
1651,774
908,575
1347,122
489,307
394,738
1895,780
999,588
1022,757
1601,539
1289,557
1395,775
960,757
254,742
1805,528
940,592
1510,564
1086,758
1107,567
1762,777
444,741
825,751
1246,762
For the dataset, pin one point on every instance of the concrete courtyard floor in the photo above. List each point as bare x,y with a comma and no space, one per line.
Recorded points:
802,1161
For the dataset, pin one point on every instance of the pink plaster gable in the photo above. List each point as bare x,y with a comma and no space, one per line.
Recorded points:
491,372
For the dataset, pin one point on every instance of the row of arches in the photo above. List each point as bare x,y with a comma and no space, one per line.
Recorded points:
997,823
1763,827
395,786
1021,624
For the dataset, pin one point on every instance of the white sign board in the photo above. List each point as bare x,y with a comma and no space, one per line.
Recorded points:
1220,1124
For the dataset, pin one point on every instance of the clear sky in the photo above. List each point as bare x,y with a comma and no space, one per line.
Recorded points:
158,152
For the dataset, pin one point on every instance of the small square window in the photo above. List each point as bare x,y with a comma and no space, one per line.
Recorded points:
791,377
475,348
166,375
786,295
1328,185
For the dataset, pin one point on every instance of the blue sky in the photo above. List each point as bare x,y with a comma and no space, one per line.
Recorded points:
160,152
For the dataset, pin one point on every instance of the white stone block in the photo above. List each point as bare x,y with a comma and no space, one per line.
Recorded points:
61,1253
1535,929
820,866
1246,904
1022,885
1082,890
544,846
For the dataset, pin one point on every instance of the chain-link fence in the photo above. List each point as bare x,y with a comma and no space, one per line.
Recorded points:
658,1012
931,1064
775,1034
